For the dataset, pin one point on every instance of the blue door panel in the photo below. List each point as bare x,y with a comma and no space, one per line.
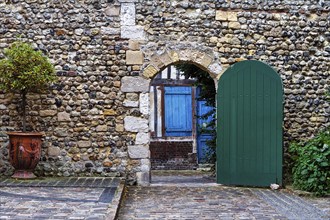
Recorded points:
203,151
178,111
202,109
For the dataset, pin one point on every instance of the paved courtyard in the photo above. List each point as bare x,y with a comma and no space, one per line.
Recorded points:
60,198
186,197
170,196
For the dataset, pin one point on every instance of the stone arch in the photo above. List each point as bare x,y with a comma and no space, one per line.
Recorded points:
203,57
157,60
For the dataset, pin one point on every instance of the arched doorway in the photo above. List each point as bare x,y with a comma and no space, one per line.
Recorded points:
250,116
173,53
182,118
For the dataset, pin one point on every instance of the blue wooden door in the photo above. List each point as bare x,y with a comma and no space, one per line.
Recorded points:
178,111
203,133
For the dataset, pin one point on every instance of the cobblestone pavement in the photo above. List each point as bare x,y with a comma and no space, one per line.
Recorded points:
60,198
184,197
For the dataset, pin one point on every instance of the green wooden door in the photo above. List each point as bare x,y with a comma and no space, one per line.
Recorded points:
250,115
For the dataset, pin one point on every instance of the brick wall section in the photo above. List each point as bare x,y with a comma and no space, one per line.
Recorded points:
172,155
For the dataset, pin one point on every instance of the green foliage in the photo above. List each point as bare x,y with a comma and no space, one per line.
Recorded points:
208,94
24,69
311,171
203,80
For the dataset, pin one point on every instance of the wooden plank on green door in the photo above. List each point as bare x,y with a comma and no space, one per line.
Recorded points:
250,115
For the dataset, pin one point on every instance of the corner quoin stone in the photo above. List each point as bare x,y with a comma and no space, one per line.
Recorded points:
138,152
134,84
144,103
142,138
143,178
135,124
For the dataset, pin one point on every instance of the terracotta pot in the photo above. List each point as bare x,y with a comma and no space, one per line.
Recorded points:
24,153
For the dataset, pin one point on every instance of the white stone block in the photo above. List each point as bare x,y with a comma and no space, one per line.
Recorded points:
215,68
138,152
133,104
135,32
145,165
143,178
134,84
110,31
142,138
144,103
135,124
145,168
127,14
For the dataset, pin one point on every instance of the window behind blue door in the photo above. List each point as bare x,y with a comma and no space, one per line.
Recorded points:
178,111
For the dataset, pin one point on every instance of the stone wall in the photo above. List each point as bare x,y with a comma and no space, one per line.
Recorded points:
95,118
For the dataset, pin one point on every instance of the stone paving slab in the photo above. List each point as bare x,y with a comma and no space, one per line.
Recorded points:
60,198
62,182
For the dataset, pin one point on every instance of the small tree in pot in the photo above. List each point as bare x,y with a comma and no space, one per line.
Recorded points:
24,70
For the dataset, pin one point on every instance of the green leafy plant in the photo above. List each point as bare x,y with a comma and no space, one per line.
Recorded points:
24,70
311,170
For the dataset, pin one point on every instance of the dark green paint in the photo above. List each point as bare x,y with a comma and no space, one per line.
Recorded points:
250,116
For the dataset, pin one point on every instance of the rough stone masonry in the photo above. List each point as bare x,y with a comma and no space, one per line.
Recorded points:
106,52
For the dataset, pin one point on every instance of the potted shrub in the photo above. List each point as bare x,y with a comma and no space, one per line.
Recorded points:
22,70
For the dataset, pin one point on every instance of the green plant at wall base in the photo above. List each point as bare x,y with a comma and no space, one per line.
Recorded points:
311,171
24,70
